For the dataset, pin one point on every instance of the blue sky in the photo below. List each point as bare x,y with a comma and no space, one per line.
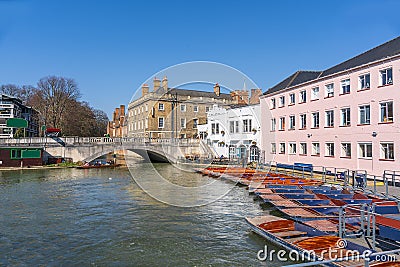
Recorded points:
111,47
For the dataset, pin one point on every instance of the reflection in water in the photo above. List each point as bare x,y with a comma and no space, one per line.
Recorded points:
82,217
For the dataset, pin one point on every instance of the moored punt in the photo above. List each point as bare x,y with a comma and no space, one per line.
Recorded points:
306,240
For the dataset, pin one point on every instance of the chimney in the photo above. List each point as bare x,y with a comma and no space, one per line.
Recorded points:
122,110
156,84
165,84
117,114
255,96
217,89
145,89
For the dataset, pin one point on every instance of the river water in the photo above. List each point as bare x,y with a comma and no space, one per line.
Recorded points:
101,217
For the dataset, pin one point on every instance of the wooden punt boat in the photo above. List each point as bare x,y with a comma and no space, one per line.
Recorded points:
303,238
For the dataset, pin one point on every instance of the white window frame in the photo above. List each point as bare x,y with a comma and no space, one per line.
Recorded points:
273,103
196,108
315,149
329,118
303,121
329,149
315,93
345,86
303,149
273,148
161,106
315,119
162,124
345,151
273,125
386,76
364,81
292,148
282,123
282,148
363,152
345,116
183,107
292,122
387,150
303,96
364,114
195,123
384,109
329,90
183,123
292,99
282,101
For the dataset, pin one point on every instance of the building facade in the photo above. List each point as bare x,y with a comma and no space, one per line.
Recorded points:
347,116
12,107
117,127
234,132
175,113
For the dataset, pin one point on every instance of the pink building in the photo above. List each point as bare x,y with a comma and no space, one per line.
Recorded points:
347,116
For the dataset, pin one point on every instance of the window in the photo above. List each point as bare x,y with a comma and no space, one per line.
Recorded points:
329,119
183,123
292,148
273,103
364,81
236,126
329,90
195,123
231,127
247,126
330,149
254,153
214,128
365,114
345,86
146,123
345,117
282,101
386,111
386,76
315,120
303,148
183,107
207,109
387,151
232,151
315,93
134,111
346,150
273,124
365,150
303,96
282,148
292,98
15,153
303,121
147,107
160,122
195,108
281,123
273,148
292,122
160,106
315,149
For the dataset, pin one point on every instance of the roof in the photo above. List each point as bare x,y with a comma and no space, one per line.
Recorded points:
194,93
388,49
296,78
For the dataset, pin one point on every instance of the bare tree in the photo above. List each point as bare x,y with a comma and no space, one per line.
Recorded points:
55,92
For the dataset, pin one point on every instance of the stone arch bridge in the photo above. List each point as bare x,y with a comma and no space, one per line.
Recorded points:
90,148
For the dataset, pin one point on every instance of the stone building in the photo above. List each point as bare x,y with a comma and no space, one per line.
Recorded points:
117,127
170,112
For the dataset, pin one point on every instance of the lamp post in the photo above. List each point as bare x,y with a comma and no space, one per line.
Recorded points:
174,119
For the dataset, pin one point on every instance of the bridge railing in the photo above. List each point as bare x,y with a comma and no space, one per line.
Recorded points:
76,140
